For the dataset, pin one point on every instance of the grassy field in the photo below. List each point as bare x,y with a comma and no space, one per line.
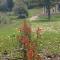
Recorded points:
50,37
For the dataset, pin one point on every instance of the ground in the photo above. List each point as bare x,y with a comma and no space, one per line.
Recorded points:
50,40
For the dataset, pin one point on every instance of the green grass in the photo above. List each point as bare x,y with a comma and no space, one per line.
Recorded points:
8,39
50,38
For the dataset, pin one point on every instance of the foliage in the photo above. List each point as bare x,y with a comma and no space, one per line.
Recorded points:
20,8
30,52
9,5
6,5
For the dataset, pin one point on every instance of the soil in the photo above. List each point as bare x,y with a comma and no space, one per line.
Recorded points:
51,57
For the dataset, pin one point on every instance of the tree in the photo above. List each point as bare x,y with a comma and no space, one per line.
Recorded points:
6,5
9,5
47,5
33,3
20,8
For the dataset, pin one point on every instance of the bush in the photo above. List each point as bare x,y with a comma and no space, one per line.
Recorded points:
6,5
20,10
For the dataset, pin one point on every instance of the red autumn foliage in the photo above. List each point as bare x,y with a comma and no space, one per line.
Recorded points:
25,40
38,32
30,54
26,28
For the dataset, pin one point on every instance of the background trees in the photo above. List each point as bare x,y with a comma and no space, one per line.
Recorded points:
17,5
6,5
20,8
9,4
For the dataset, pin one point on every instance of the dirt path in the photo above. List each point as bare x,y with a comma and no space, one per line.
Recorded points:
36,16
33,18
